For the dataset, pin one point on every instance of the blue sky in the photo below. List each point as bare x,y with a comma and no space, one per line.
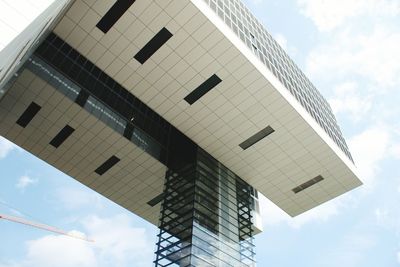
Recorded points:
350,50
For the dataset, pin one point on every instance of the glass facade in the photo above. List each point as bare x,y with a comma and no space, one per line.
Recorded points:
206,217
246,26
94,106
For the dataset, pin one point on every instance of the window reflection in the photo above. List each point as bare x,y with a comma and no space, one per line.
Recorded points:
53,77
105,114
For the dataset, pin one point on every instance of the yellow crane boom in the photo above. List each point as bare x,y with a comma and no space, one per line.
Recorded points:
42,226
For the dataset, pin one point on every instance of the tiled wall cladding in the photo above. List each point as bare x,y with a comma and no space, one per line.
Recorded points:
245,25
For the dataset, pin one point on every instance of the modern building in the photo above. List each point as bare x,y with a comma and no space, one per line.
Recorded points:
181,111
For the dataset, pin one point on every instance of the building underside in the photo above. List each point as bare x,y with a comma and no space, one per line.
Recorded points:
163,107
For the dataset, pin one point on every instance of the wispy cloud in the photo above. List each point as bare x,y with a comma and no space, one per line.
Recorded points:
372,55
357,60
369,149
59,251
25,181
114,237
330,14
348,99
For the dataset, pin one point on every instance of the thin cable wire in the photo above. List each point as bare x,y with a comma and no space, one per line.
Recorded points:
38,223
15,209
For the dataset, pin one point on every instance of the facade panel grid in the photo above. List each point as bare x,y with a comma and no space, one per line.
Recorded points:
246,26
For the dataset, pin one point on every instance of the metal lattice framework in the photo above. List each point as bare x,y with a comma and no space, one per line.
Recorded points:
205,217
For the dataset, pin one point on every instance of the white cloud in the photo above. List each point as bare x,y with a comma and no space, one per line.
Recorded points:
369,148
117,243
348,99
60,251
329,14
5,147
25,181
374,56
398,257
358,61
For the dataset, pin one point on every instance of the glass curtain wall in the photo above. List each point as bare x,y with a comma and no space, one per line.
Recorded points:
206,217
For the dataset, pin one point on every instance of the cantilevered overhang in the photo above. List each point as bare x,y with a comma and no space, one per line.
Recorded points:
247,100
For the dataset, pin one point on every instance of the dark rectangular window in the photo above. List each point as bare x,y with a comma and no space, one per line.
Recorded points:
307,184
257,137
202,89
156,200
62,136
153,45
114,14
28,114
108,164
